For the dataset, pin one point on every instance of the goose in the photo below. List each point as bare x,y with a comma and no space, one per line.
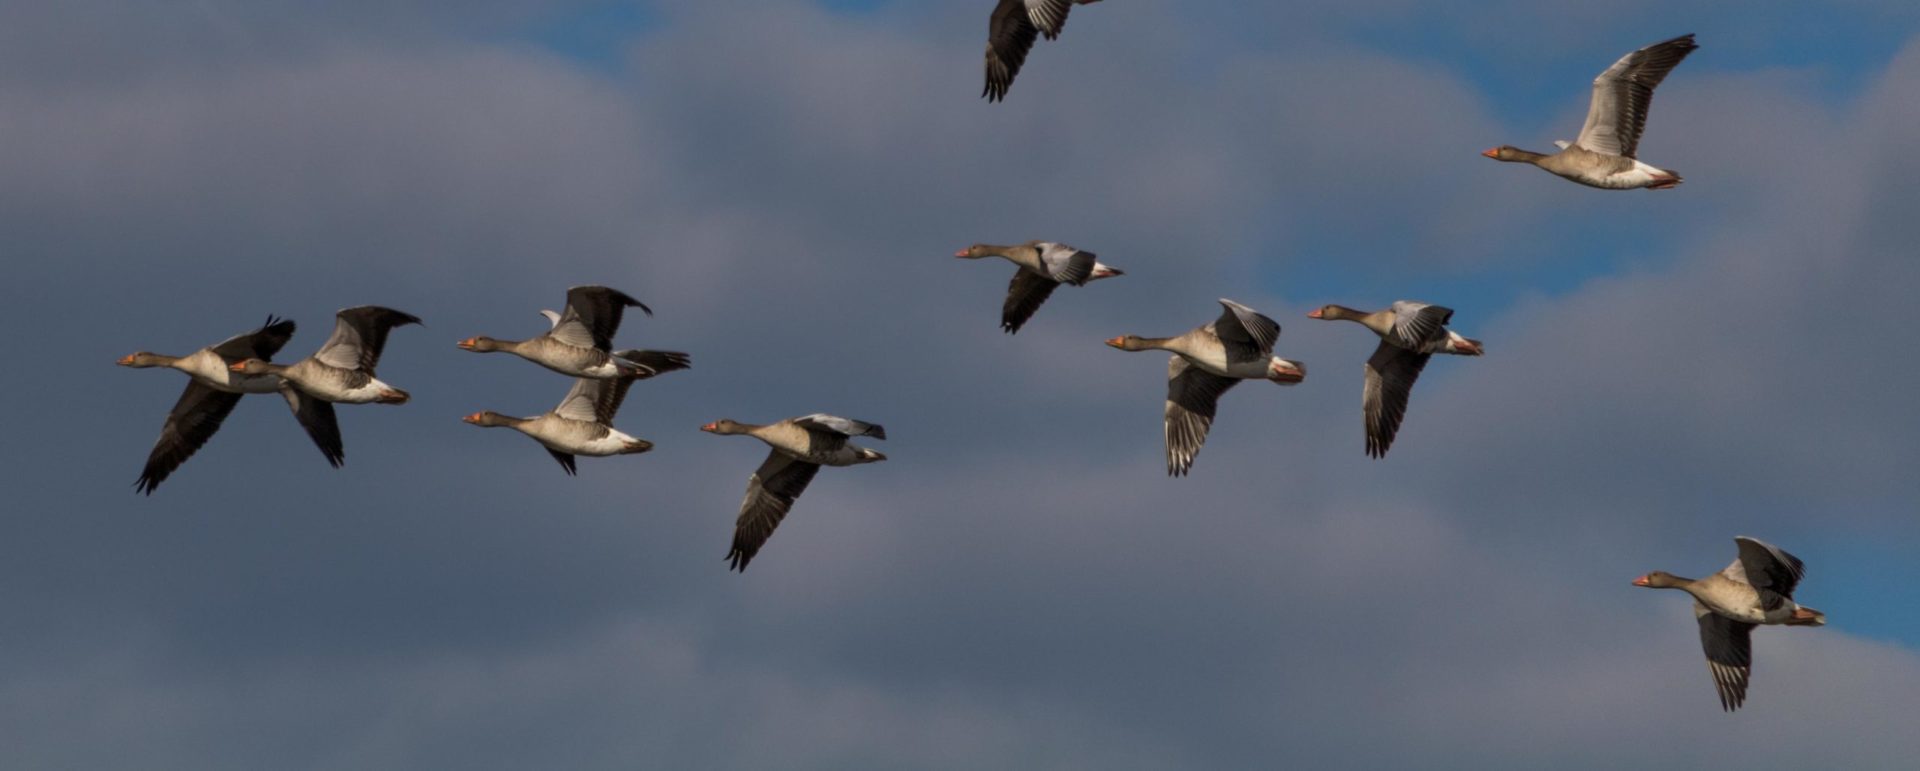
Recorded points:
800,447
579,340
1606,153
1756,589
1206,362
583,422
212,391
1010,35
1410,333
1043,265
341,371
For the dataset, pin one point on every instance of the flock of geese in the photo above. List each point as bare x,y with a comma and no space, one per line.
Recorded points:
1207,361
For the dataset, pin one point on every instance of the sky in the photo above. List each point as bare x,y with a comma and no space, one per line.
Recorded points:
1020,585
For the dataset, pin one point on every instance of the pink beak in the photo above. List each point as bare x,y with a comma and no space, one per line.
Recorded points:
1641,581
1492,152
1314,314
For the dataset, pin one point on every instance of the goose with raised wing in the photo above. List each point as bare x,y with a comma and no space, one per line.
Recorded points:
583,422
1606,152
580,341
1410,333
1042,267
800,447
1206,362
1756,589
340,372
212,391
1011,31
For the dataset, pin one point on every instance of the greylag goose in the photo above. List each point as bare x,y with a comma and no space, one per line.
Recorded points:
800,447
1410,333
580,340
583,423
1605,154
341,371
1206,362
212,391
1043,265
1756,589
1010,35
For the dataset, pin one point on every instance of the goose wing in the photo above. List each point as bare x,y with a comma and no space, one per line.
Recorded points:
194,419
1729,648
1025,294
316,416
1623,93
1248,334
771,492
260,344
1192,396
1391,373
1010,35
592,316
359,335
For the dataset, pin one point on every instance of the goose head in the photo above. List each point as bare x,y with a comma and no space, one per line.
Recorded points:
1659,579
480,344
724,427
486,419
975,252
1128,343
142,360
251,367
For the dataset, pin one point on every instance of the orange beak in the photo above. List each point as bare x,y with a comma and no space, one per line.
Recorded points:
1314,314
468,344
710,427
126,361
1642,581
1492,152
1116,342
474,418
962,253
238,366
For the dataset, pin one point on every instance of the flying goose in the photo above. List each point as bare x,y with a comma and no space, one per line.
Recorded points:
1010,34
1410,333
580,339
212,391
1605,154
583,422
1207,361
1756,589
341,371
1043,265
800,447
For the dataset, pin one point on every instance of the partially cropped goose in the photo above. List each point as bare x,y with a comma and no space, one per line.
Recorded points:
1043,266
581,339
1756,589
341,371
212,392
1410,333
583,423
800,447
1606,153
1206,362
1010,35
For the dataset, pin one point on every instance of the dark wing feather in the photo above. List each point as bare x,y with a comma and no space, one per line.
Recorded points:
834,425
600,309
1729,648
770,495
1010,35
656,362
1770,569
566,460
1391,373
1622,94
1048,16
1415,325
1024,296
260,344
194,419
316,416
1192,396
1248,334
359,335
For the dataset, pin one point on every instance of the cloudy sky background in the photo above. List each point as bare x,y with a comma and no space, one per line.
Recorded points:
1020,585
